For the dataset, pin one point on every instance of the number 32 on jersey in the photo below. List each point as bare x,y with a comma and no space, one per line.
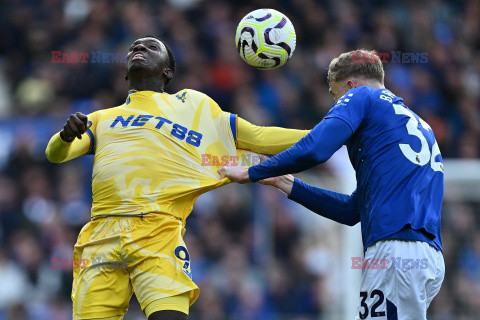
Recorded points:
424,156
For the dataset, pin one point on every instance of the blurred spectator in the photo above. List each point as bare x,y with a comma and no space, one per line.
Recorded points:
255,254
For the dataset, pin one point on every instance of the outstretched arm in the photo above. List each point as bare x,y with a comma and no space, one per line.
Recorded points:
266,140
316,147
344,118
64,145
338,207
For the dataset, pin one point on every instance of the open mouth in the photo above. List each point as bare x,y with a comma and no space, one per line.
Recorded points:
138,56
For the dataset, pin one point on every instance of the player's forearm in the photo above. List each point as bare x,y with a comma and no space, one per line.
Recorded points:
316,147
266,140
58,151
283,183
292,160
338,207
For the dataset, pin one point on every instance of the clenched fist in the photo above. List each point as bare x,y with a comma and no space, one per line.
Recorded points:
236,174
77,124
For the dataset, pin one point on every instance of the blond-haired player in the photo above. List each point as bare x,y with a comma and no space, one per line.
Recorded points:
149,167
399,193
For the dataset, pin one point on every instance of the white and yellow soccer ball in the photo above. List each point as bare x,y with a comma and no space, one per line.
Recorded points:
265,39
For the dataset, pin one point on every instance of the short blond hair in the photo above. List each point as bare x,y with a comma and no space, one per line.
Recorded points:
358,63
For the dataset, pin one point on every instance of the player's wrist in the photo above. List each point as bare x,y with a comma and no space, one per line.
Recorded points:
285,183
245,176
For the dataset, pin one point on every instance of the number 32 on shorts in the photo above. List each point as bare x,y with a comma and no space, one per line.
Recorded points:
376,298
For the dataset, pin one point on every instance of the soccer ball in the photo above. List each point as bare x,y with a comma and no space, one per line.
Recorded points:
265,39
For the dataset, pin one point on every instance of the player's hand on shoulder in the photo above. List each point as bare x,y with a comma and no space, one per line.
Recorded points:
234,173
77,124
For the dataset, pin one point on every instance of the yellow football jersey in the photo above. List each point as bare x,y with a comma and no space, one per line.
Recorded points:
148,152
158,152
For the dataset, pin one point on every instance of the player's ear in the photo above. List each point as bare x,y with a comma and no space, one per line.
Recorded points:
352,84
168,73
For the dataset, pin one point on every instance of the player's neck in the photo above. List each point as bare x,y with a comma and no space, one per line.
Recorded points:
372,83
142,84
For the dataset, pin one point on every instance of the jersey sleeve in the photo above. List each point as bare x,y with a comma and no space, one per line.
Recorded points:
338,207
351,107
316,147
247,136
266,140
59,151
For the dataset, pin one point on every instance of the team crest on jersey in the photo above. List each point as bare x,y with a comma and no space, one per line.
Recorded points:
182,97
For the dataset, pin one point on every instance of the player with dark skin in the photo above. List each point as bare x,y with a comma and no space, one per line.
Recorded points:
148,68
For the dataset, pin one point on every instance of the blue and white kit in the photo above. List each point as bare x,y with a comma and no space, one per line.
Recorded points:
398,200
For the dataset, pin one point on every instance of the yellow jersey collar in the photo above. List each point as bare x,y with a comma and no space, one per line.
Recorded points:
146,93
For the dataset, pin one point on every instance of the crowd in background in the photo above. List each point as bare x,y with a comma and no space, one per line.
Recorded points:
287,270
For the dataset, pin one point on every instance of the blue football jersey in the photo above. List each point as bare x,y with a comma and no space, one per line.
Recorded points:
398,164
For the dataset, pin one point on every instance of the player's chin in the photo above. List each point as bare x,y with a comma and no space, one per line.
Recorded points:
137,64
137,67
